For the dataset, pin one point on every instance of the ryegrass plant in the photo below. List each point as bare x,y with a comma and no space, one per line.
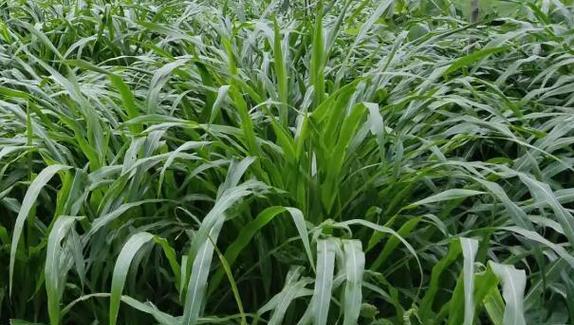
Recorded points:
286,162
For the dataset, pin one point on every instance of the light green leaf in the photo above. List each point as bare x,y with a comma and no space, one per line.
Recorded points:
324,280
53,273
469,249
514,283
127,254
447,195
29,199
354,267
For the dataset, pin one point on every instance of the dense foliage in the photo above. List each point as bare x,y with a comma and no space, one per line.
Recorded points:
284,162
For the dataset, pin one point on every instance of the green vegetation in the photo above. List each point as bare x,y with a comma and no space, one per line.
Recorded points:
286,162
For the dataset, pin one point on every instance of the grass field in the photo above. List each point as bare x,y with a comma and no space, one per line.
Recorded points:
286,162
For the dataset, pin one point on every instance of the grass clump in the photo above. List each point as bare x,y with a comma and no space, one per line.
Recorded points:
286,162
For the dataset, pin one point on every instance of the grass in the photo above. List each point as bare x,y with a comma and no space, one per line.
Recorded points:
286,162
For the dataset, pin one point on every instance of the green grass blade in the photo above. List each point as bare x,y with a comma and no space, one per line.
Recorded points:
469,249
354,267
543,193
324,281
514,284
471,59
52,271
317,58
281,75
29,200
123,263
128,101
301,226
447,195
197,287
426,305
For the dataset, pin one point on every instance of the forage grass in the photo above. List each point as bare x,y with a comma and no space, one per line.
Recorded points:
286,162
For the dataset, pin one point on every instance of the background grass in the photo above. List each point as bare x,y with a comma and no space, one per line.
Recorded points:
286,162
